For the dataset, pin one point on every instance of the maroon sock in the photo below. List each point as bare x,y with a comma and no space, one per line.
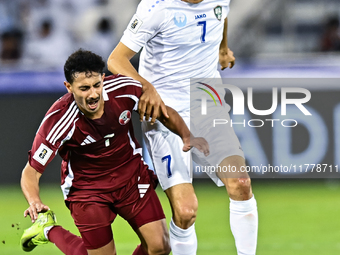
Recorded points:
67,242
139,251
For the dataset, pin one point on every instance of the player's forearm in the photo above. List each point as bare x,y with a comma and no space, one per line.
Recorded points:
224,42
30,184
176,124
119,63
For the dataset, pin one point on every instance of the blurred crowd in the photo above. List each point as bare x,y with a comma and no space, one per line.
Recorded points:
330,40
40,34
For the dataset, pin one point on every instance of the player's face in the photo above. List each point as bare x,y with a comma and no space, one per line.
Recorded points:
192,1
87,90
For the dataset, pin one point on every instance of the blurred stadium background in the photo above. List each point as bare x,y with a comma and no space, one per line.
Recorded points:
286,43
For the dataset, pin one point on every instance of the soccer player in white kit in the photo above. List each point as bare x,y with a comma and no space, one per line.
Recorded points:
182,40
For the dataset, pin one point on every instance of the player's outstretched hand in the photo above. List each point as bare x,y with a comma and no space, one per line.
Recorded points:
150,104
226,58
34,209
199,143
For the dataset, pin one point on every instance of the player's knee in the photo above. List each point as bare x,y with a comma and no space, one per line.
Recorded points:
239,188
186,215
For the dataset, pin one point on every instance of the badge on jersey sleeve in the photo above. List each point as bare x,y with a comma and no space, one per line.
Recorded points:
218,12
135,24
124,117
42,154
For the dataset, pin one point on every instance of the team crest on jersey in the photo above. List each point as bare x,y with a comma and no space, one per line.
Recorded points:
124,117
135,24
180,19
218,12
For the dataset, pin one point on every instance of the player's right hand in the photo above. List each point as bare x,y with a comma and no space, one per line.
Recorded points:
199,143
34,209
226,58
150,104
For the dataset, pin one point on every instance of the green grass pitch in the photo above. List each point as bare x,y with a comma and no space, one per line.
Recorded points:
295,217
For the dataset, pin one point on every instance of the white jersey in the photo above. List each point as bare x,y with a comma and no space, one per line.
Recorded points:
180,40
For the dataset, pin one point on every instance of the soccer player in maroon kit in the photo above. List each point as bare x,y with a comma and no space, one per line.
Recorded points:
102,171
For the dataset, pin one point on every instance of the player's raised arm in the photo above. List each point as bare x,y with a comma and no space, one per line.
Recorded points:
150,103
176,124
30,187
226,56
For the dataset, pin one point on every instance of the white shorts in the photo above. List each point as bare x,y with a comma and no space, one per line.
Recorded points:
172,165
222,139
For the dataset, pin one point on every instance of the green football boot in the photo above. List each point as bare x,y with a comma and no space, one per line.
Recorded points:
34,235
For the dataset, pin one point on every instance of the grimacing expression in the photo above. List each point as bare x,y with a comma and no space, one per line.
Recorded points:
87,88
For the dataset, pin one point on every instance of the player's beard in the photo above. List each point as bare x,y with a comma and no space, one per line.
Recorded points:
93,104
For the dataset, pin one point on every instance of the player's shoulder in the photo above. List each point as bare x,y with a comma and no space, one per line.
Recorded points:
63,104
119,79
150,15
151,7
217,3
121,84
63,111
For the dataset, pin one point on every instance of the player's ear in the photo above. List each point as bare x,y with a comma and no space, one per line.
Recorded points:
103,76
68,86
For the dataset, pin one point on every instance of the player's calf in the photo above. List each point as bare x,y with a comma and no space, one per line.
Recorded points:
154,237
160,250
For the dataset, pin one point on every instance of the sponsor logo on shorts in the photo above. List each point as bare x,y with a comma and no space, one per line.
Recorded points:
143,188
124,117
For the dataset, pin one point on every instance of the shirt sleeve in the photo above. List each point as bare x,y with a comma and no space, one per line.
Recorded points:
125,87
41,153
225,11
51,134
138,93
145,24
134,91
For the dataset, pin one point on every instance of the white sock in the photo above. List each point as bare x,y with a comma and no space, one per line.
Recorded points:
183,241
244,225
46,230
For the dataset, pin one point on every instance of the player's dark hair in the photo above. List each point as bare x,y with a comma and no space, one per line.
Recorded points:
82,61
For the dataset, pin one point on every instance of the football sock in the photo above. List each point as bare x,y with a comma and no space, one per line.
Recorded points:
46,230
244,225
67,242
183,241
139,251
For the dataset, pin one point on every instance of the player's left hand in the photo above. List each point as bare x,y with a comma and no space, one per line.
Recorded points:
199,143
226,58
34,209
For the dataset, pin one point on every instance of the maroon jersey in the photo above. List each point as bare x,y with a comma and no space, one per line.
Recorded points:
100,155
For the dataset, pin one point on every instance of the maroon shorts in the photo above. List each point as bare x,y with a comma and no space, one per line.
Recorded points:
138,205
